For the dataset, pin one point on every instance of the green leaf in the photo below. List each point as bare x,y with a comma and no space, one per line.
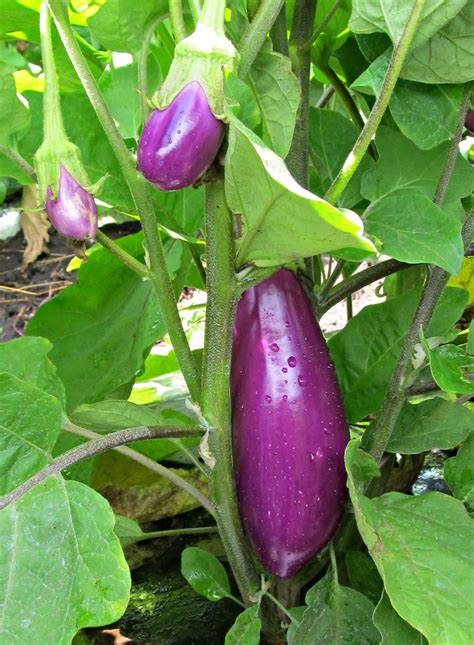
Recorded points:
414,230
426,114
419,547
335,32
279,220
459,472
95,349
336,614
62,565
363,575
402,165
391,17
451,368
120,25
365,352
205,574
331,138
30,422
20,20
394,630
18,120
448,56
246,629
128,531
432,424
277,92
27,359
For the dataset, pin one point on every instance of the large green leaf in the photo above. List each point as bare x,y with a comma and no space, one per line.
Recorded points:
366,350
18,120
61,565
391,17
402,165
27,359
394,630
459,472
246,629
448,57
277,92
120,24
331,138
100,327
335,614
30,422
452,368
414,230
432,424
279,220
426,114
419,547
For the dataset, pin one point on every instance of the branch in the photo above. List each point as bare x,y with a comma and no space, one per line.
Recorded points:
255,34
95,447
361,145
377,436
124,257
359,281
18,160
141,195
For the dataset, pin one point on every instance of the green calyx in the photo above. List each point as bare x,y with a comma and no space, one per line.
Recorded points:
204,56
49,158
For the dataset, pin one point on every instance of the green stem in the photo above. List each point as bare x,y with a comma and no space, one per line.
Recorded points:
255,34
354,158
198,530
102,443
177,20
141,196
143,67
195,6
18,160
52,119
221,304
212,16
124,257
298,157
348,101
279,33
359,281
324,23
282,607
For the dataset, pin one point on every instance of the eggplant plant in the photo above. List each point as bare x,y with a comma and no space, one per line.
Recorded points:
283,164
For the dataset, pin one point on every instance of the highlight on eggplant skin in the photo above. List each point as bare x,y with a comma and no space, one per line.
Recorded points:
289,428
179,143
73,212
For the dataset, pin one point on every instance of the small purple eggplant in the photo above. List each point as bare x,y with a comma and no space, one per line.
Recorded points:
289,428
179,143
73,213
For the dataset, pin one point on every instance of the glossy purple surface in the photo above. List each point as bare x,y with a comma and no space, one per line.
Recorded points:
179,144
73,213
469,121
289,429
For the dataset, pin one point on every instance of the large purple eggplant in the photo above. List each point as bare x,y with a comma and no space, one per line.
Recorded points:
289,429
73,212
179,143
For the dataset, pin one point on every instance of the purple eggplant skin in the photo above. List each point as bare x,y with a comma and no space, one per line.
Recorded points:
469,121
179,143
288,425
73,213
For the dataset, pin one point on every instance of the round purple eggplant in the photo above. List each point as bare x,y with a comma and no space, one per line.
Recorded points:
179,143
73,213
288,424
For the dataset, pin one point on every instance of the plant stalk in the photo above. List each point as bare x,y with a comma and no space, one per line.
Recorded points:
354,158
141,196
176,18
95,447
255,34
221,305
121,255
19,161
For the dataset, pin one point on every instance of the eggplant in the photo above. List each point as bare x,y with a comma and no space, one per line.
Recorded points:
180,142
288,426
72,212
